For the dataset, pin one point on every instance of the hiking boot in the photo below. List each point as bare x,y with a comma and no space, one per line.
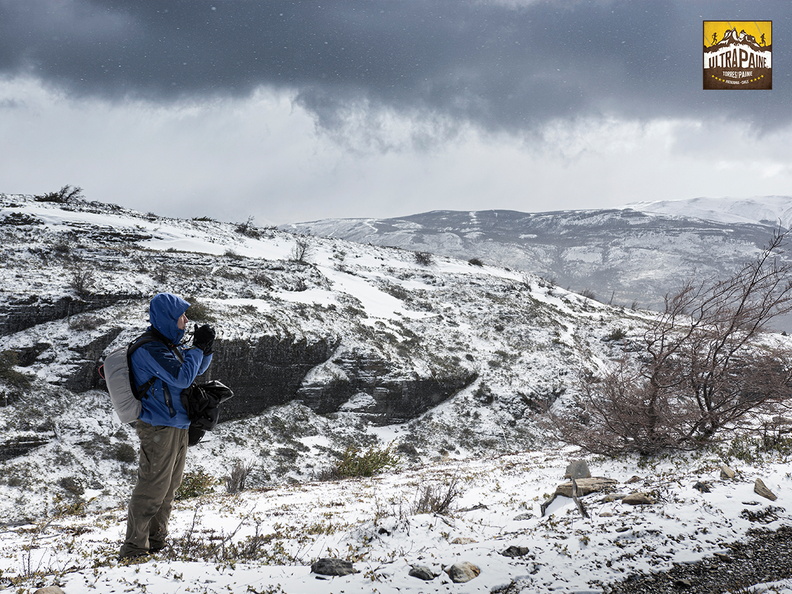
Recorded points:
132,558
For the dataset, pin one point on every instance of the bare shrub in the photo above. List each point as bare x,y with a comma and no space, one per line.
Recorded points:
63,196
248,229
301,250
437,498
236,479
701,367
82,281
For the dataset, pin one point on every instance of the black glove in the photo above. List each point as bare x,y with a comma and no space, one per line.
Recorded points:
204,338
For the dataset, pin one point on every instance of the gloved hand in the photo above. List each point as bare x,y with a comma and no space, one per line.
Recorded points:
204,338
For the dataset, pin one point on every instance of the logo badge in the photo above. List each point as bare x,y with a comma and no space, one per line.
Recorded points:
738,55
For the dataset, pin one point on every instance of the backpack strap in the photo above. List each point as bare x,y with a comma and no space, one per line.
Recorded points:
141,391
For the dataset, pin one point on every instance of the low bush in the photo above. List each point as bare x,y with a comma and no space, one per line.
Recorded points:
63,196
355,462
196,484
424,258
199,312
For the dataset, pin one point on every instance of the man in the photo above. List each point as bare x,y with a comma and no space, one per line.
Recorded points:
167,368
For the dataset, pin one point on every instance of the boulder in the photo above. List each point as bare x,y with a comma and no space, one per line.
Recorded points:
585,486
338,567
726,472
761,489
462,572
422,572
577,469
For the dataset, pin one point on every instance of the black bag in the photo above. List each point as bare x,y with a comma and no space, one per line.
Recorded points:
202,403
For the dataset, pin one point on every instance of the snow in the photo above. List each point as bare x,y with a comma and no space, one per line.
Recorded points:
371,520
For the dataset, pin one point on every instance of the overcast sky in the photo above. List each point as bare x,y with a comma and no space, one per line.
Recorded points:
291,111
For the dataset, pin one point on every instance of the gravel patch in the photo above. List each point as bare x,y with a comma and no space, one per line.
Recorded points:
765,556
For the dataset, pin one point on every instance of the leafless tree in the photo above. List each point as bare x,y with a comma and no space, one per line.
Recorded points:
301,250
702,366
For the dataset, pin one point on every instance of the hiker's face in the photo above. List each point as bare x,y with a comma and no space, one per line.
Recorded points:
182,323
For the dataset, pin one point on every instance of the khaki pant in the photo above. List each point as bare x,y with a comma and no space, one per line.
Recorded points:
162,454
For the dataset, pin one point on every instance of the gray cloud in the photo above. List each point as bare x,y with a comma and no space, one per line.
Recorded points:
501,67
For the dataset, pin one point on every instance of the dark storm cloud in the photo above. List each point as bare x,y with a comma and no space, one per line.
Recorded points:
502,66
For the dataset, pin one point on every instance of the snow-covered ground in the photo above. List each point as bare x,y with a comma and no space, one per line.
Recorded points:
266,540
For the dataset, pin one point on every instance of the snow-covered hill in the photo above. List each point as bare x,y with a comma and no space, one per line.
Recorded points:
633,255
447,363
341,340
771,211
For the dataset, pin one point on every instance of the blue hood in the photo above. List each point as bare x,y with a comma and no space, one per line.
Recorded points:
165,310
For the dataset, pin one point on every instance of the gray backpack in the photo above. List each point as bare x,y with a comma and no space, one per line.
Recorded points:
115,370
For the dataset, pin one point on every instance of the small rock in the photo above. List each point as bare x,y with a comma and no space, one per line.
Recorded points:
761,489
514,551
638,499
474,508
683,583
577,469
703,487
525,516
422,572
725,557
462,572
49,590
633,479
327,566
726,472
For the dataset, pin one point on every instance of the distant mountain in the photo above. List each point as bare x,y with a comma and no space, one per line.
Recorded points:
765,210
632,255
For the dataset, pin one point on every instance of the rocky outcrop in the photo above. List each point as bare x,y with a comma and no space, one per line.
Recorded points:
272,371
265,372
21,445
21,313
393,395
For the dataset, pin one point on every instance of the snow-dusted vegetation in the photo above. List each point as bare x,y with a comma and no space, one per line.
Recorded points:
429,373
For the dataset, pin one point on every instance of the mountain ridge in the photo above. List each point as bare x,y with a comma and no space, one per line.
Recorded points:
633,255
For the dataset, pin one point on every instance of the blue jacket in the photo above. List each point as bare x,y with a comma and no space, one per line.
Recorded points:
161,405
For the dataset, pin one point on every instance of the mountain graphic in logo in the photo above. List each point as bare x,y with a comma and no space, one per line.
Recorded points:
738,55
